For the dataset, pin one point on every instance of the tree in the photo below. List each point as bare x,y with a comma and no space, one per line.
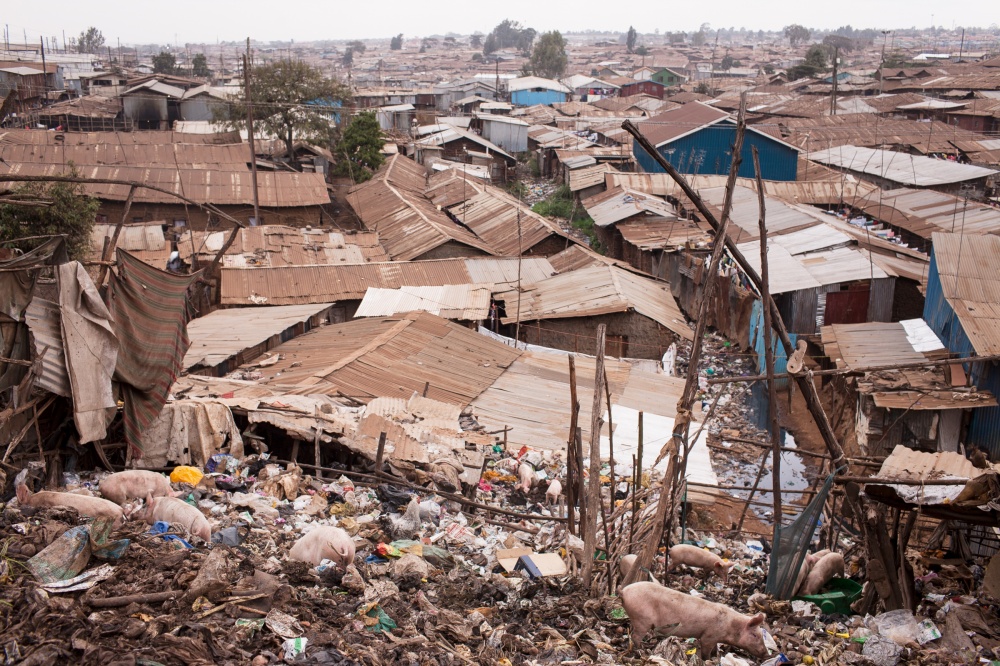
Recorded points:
727,63
698,38
796,33
630,39
815,63
164,63
676,37
509,34
476,41
199,65
548,59
357,46
291,100
843,44
359,151
91,40
396,43
642,50
70,213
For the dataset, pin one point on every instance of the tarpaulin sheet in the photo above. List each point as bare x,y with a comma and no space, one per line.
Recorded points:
150,310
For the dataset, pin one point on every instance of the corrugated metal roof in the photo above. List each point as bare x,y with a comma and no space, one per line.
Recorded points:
832,192
452,186
879,343
581,179
622,203
288,285
676,123
224,157
663,234
394,357
464,302
221,335
445,134
144,138
900,168
45,323
503,223
530,82
969,269
278,245
780,218
922,212
593,291
409,225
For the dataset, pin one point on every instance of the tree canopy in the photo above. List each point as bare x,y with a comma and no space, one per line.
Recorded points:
90,41
797,33
199,65
292,100
164,63
815,64
396,43
630,39
69,213
359,151
509,34
548,58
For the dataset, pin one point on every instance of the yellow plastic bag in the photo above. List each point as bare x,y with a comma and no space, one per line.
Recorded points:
186,474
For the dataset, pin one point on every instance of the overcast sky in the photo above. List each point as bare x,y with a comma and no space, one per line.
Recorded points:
206,21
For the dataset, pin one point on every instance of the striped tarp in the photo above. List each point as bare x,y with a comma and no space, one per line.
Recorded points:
150,309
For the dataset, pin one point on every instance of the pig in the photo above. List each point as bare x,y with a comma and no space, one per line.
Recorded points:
553,492
176,512
626,564
92,507
826,568
135,484
807,564
324,543
699,558
526,477
653,606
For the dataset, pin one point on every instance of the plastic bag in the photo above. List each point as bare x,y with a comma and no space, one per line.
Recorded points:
899,626
186,474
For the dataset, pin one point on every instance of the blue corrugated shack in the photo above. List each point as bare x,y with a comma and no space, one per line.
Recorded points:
697,138
531,90
963,308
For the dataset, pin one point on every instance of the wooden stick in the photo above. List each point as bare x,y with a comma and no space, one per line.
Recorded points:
378,454
117,602
110,247
572,469
611,438
594,482
317,454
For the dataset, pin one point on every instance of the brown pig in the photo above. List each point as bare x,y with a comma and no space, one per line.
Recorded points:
176,512
807,565
653,606
526,477
121,487
828,566
699,558
553,491
92,507
626,564
324,543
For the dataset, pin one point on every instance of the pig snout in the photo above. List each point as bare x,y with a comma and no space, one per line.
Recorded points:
134,484
324,543
553,491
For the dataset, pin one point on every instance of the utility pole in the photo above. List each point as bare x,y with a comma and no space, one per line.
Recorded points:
881,74
253,149
833,92
45,71
961,48
65,50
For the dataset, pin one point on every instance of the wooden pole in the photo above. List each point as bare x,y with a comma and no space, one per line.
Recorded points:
772,411
594,482
572,468
316,450
110,247
635,504
253,147
753,491
611,440
378,454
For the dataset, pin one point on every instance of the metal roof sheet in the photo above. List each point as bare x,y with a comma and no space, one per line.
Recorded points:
676,123
879,343
900,167
503,223
464,302
278,245
530,82
622,203
969,271
922,212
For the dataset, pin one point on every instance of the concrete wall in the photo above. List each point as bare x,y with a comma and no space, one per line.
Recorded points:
644,338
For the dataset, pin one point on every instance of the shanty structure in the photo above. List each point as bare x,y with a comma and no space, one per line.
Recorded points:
278,245
459,302
563,312
528,90
508,226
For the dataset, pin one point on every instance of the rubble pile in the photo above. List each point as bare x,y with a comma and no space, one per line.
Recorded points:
425,580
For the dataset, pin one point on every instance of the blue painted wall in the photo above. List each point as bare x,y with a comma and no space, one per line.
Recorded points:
532,97
984,428
707,152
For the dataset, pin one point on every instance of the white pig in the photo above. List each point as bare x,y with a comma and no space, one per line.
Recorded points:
92,507
324,543
176,512
699,558
653,606
526,477
134,484
626,564
553,492
828,566
807,564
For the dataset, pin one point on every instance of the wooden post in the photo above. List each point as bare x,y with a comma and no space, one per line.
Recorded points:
581,489
109,248
379,454
753,491
572,469
317,440
427,387
611,440
594,483
772,408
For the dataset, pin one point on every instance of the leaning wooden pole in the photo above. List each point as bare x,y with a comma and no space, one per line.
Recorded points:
772,407
572,469
594,482
683,419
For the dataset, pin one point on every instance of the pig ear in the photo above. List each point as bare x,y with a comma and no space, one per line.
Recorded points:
756,620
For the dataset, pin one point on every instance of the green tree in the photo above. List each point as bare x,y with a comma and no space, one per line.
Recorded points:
727,63
509,34
69,213
396,43
843,44
199,65
357,46
796,33
815,64
676,37
642,50
476,41
292,100
164,63
630,39
348,58
698,38
91,40
359,151
548,58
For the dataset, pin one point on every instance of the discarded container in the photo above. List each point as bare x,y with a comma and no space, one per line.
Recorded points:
293,647
898,626
840,594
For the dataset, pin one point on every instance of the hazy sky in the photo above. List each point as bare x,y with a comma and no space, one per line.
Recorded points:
211,20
